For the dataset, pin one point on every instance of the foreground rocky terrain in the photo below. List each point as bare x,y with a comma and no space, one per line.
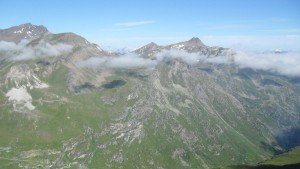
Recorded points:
67,103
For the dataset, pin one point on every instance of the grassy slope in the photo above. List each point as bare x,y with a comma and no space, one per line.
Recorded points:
59,121
290,157
287,160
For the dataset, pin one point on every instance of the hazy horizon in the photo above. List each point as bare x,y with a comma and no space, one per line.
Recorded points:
82,86
255,25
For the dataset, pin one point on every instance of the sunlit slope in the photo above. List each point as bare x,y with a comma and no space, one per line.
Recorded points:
58,109
172,117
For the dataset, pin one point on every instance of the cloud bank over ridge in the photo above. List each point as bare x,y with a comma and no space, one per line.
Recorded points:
284,63
287,63
22,51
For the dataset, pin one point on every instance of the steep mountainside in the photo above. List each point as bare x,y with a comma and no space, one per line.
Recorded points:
58,113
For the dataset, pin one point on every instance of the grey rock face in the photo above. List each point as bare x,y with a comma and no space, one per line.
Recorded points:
24,31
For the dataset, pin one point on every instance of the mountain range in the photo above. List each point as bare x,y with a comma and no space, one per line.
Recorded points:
193,45
67,103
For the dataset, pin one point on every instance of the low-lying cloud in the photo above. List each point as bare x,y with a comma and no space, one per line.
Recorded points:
132,60
129,60
190,58
21,51
282,63
287,63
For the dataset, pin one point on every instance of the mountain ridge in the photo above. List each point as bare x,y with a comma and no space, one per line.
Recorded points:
57,113
23,31
9,34
193,45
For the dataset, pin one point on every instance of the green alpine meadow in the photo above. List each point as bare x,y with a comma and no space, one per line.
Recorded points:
62,108
149,85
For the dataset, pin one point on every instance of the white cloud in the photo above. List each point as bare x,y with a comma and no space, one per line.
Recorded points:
189,58
128,24
22,51
284,63
95,62
284,42
129,60
46,49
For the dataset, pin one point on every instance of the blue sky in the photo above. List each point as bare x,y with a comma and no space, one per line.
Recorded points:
261,24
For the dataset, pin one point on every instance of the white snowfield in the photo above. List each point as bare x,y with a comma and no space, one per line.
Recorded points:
23,79
20,96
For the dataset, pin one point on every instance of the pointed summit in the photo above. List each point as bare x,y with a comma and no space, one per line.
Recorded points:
149,49
195,40
151,45
192,45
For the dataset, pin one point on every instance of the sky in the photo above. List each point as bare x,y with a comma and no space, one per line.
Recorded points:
249,24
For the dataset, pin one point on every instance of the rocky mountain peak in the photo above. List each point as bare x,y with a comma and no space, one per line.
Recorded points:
23,31
195,40
152,44
192,45
31,26
149,49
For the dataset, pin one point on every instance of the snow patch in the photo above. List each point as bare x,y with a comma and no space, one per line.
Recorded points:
19,31
178,46
20,96
99,48
29,33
